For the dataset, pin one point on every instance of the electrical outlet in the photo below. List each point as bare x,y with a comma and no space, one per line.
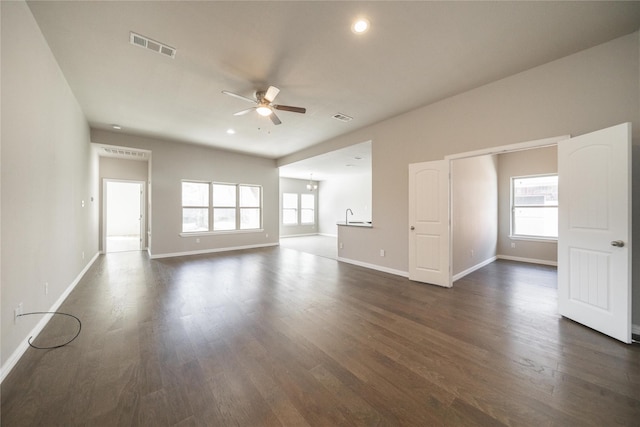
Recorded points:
82,254
46,288
381,252
16,313
197,240
513,244
341,245
472,253
267,235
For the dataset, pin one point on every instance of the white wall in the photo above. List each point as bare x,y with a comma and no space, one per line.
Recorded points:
474,198
341,193
48,172
173,162
581,93
528,162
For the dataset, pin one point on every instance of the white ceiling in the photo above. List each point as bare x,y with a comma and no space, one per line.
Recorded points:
352,160
416,53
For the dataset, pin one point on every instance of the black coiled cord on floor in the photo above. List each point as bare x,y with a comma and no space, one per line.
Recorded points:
58,313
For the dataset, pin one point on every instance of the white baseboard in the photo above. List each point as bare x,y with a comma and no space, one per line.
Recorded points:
210,251
529,260
328,235
17,354
474,268
374,267
299,235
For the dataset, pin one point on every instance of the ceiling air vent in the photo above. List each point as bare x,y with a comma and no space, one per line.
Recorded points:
342,117
142,41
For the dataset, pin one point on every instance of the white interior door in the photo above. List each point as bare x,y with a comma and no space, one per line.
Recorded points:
429,223
594,241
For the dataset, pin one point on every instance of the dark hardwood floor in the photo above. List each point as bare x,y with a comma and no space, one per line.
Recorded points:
279,337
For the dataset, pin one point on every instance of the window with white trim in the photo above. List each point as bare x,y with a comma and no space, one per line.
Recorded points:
212,206
289,208
195,206
534,206
224,207
250,205
307,209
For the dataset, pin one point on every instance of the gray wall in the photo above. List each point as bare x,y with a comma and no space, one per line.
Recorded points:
124,169
48,171
173,162
528,162
581,93
298,186
474,214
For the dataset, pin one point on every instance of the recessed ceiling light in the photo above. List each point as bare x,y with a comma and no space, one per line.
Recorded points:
360,25
116,127
231,131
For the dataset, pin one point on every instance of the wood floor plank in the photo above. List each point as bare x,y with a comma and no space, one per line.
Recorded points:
249,352
277,337
355,409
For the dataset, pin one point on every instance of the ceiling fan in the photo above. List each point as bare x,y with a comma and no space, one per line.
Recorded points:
264,104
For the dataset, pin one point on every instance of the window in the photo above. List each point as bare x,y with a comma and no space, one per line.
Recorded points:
307,209
220,207
289,208
534,206
298,209
224,207
250,210
195,206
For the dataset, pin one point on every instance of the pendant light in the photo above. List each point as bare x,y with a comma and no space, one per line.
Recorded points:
311,186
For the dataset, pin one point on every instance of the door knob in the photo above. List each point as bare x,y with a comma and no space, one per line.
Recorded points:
617,243
412,227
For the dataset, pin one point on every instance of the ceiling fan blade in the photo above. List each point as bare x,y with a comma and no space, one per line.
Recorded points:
290,108
235,95
243,112
271,93
274,119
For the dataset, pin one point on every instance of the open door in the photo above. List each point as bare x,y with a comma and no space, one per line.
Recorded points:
429,223
594,227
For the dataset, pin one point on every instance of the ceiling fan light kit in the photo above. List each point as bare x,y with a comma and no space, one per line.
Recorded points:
263,110
264,104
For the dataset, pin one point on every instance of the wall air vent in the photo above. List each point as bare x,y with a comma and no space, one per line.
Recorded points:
147,43
124,153
342,117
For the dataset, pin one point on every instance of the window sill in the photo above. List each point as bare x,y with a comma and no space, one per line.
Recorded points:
535,239
217,233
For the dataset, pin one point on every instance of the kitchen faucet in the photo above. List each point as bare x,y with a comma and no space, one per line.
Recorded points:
346,217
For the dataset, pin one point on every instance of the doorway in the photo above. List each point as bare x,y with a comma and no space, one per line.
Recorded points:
594,169
123,215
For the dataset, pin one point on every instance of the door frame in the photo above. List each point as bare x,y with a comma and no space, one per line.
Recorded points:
143,216
502,149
